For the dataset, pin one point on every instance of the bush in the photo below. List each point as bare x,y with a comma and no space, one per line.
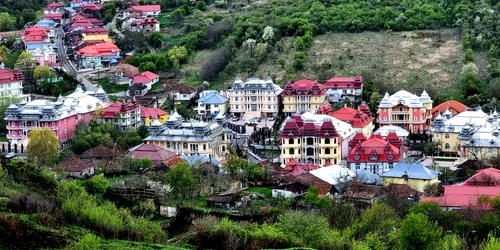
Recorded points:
98,184
299,60
268,236
88,242
307,227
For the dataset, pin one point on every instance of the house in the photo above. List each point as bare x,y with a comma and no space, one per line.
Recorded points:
297,185
190,138
96,34
62,116
339,88
212,103
54,8
57,18
126,115
369,194
254,98
45,56
91,9
447,130
78,168
99,55
146,25
309,143
181,93
155,153
144,10
11,82
78,3
411,173
302,96
37,37
452,106
338,176
146,79
344,134
404,109
148,115
361,193
122,73
485,183
360,119
375,154
100,153
137,90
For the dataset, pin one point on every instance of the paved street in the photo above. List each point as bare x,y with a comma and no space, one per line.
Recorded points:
67,66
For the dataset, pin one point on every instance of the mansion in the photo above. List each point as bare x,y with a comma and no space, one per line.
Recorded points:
302,96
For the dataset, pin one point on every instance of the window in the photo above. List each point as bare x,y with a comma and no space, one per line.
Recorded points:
385,118
310,141
269,98
358,166
327,151
334,151
236,98
447,136
290,141
490,150
269,106
447,146
205,147
184,96
184,145
415,118
327,140
53,124
291,151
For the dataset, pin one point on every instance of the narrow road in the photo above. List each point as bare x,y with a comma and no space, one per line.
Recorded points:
67,66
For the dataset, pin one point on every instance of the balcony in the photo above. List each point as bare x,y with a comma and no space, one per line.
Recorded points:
400,112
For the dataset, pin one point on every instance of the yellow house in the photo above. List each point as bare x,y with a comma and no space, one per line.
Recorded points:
96,34
307,143
412,174
148,115
302,96
446,129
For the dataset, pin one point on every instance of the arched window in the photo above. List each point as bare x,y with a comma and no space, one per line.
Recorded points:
185,145
327,151
447,145
223,148
327,140
291,151
447,136
290,141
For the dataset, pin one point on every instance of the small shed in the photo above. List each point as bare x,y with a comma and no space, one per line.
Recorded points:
75,167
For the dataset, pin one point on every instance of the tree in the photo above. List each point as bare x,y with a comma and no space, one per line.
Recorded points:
216,63
299,60
468,56
156,39
7,22
25,59
200,5
98,185
43,73
379,219
178,14
180,179
250,45
177,54
261,50
234,165
4,51
418,233
492,243
42,146
268,34
375,99
307,226
148,66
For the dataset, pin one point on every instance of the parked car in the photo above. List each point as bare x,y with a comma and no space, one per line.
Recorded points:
272,118
10,155
235,119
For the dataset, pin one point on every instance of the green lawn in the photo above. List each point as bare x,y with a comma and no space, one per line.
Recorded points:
111,88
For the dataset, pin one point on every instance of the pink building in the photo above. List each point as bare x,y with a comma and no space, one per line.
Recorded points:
45,56
61,116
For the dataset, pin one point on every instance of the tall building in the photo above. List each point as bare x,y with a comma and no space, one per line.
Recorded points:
302,96
190,137
126,115
406,110
61,116
306,142
452,106
254,98
11,82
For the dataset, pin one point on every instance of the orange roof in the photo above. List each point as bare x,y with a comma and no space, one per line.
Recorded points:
457,106
151,112
101,49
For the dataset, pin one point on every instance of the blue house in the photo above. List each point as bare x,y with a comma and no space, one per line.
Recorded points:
212,103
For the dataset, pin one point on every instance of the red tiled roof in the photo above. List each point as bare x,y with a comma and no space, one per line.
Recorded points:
464,196
8,76
53,6
402,190
457,106
355,117
102,49
183,89
57,17
147,8
156,153
36,34
364,151
92,6
112,110
96,30
127,69
151,112
303,87
344,82
149,20
296,127
484,177
100,152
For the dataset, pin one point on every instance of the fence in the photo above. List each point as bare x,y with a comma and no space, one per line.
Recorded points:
135,192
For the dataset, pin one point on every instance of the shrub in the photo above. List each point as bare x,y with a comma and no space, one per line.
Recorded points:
98,184
88,242
299,60
269,236
305,226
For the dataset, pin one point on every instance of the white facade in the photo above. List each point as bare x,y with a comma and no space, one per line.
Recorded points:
255,96
14,88
212,103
